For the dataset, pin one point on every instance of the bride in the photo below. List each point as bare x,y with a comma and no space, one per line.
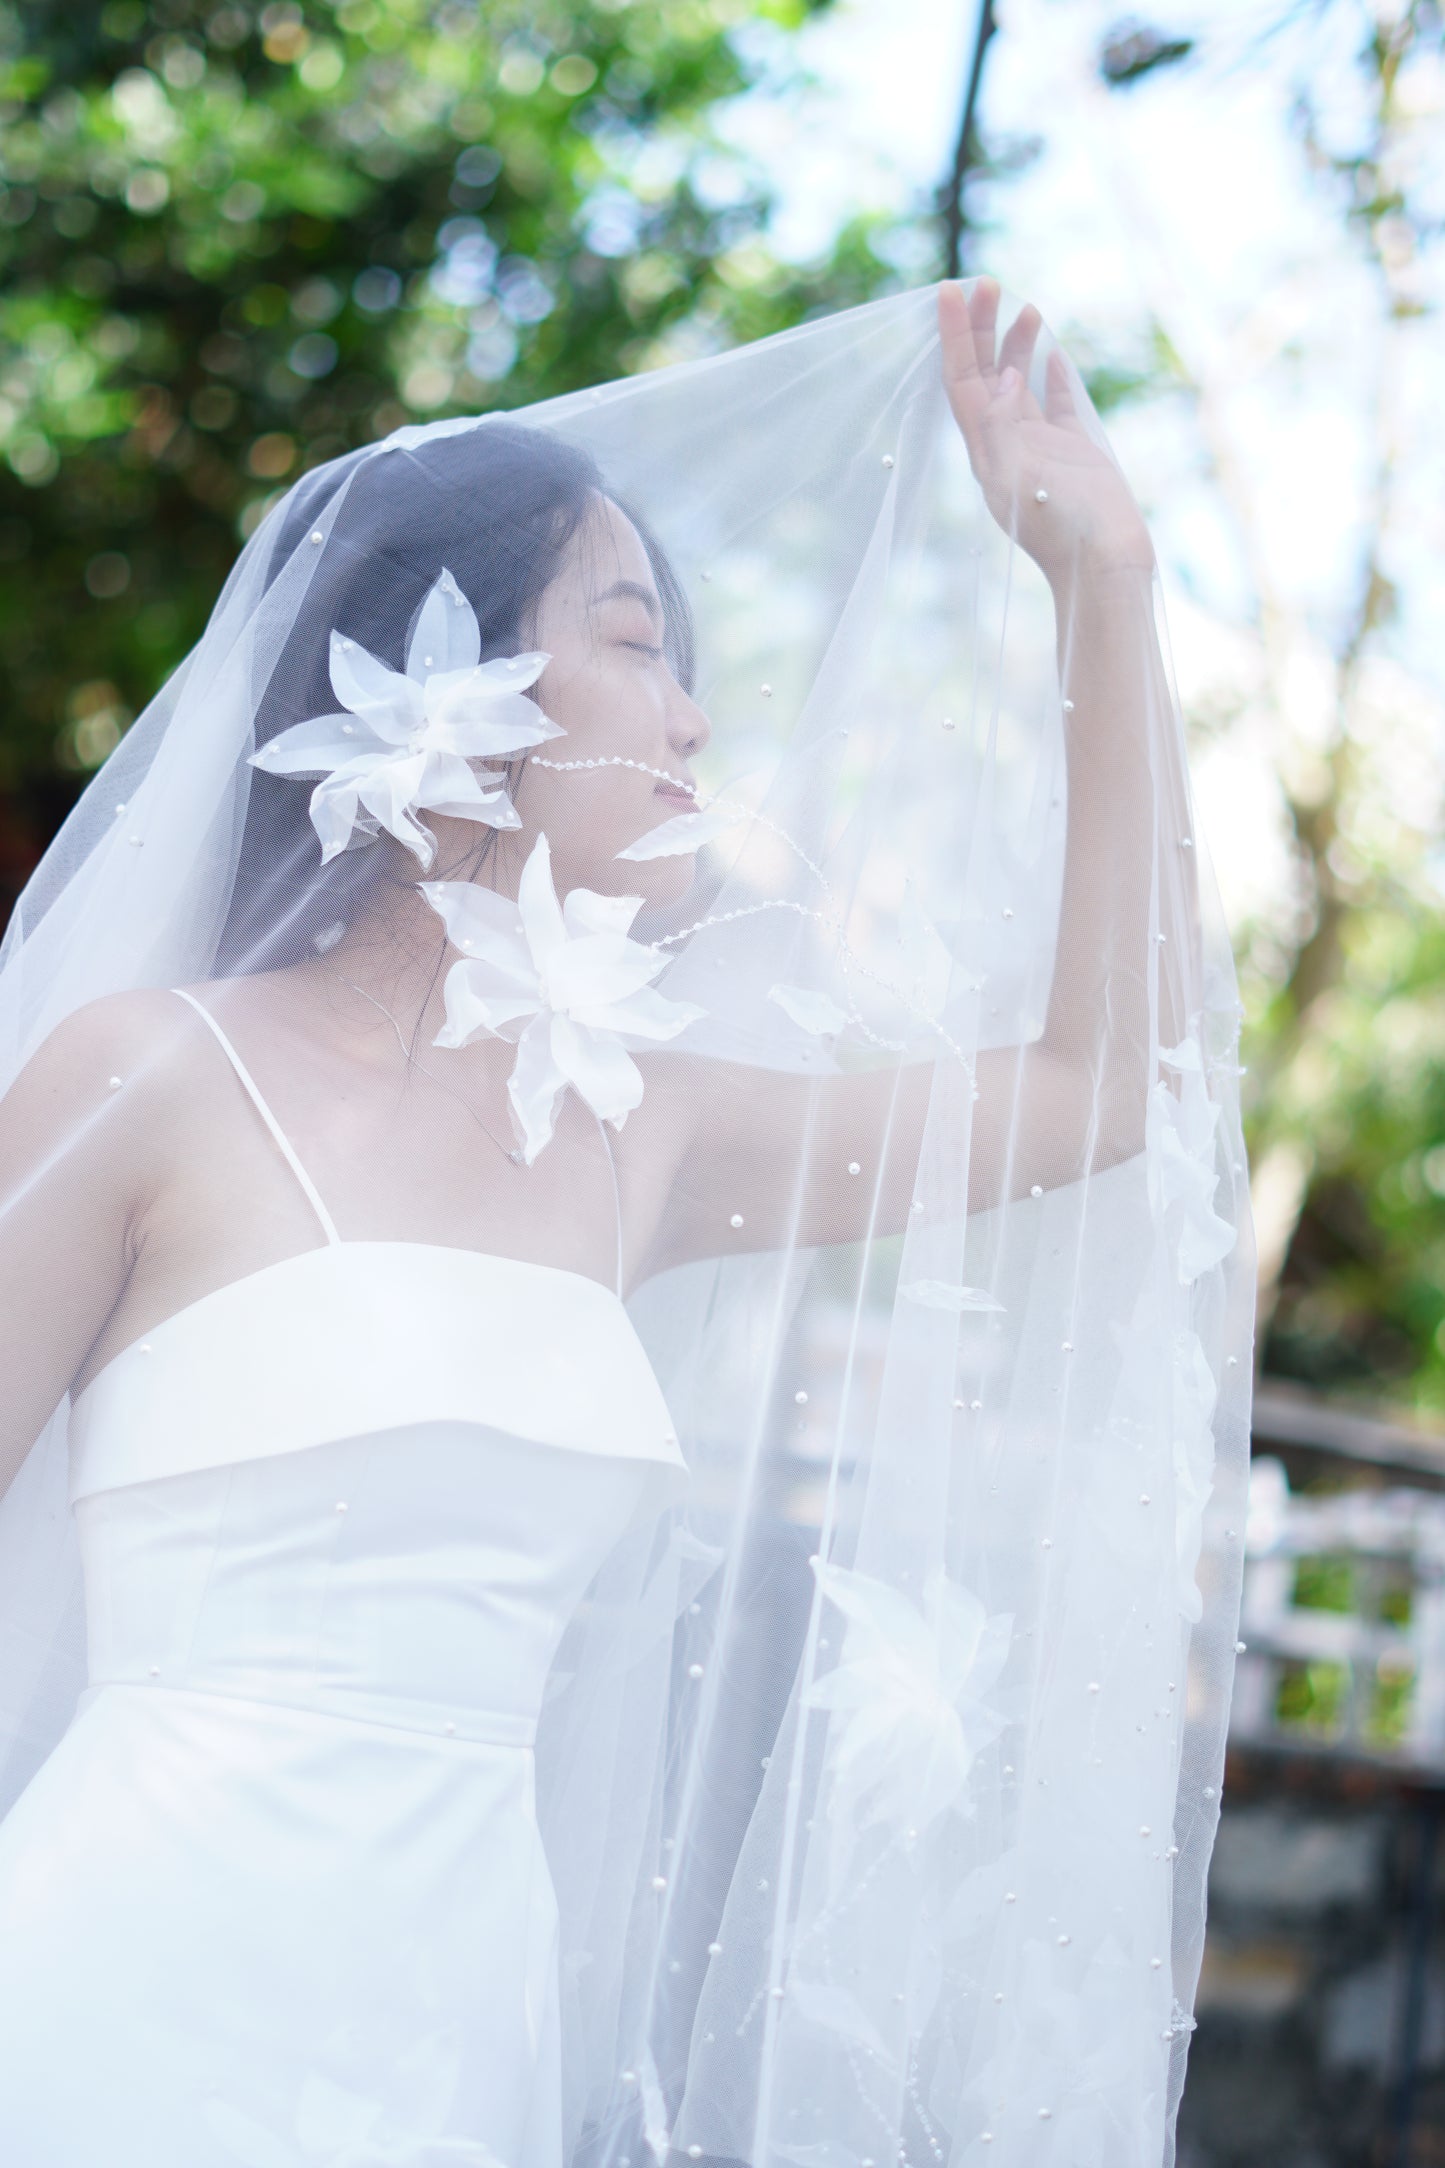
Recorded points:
521,1722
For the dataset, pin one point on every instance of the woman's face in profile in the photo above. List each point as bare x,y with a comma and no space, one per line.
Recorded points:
608,684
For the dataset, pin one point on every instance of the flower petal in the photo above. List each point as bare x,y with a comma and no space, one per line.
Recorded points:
811,1011
477,1007
646,1014
317,746
542,921
599,1069
387,787
483,925
385,700
598,969
471,712
685,832
585,911
534,1087
447,636
450,786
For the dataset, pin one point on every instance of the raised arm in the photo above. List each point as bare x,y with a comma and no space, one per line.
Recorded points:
1074,1099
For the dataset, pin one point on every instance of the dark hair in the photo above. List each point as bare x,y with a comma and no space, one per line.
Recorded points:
497,504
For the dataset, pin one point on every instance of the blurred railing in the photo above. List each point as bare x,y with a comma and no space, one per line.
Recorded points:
1343,1618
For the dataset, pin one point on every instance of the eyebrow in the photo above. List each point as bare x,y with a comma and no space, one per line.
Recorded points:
631,591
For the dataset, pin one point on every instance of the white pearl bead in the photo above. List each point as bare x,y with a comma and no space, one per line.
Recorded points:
317,536
766,691
714,1949
853,1167
694,2152
887,459
948,722
975,1405
1036,1189
1041,496
1143,1829
155,1671
1155,1963
659,1881
1010,1897
1240,1647
451,1728
800,1399
694,1671
736,1220
1143,1498
1063,1941
1094,1686
341,1505
115,1083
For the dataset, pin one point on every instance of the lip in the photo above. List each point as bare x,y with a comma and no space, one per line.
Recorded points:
676,794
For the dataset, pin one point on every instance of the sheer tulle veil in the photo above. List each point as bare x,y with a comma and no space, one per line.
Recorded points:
880,1767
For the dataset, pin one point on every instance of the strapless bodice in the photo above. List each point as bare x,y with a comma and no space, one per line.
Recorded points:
357,1337
372,1480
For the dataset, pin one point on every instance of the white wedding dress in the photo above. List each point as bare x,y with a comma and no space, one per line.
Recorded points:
278,1897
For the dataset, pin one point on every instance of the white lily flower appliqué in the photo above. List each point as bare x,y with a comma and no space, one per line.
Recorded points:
565,982
1180,1131
408,741
908,1696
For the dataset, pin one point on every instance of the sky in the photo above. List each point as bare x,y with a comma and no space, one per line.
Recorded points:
1185,201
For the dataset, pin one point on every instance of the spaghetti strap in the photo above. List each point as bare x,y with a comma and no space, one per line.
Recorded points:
252,1090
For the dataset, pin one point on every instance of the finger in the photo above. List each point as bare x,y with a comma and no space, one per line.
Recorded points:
963,380
1058,389
983,315
1019,341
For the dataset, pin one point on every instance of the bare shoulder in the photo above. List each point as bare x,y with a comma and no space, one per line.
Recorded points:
136,1050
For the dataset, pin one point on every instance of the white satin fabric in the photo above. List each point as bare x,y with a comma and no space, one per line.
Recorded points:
279,1897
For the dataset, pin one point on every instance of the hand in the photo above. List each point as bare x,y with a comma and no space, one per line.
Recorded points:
1088,520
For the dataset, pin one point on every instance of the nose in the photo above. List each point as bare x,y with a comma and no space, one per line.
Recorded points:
688,729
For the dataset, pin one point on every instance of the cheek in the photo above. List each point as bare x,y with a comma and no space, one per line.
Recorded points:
605,704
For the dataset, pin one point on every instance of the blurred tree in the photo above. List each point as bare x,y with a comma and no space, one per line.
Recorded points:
238,239
1342,977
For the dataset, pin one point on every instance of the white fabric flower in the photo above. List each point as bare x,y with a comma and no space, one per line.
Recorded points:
1180,1133
910,1695
565,982
1193,1454
407,743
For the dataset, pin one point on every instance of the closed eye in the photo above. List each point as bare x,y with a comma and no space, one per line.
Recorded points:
641,647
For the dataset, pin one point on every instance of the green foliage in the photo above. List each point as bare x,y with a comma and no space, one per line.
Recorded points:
1362,1298
236,240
